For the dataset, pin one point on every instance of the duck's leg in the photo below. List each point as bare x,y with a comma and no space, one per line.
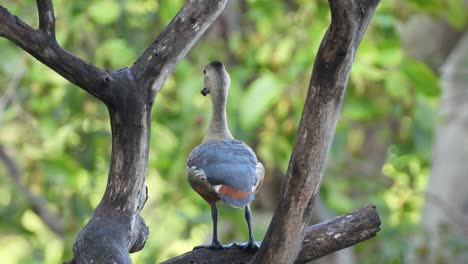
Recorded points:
251,245
215,242
214,217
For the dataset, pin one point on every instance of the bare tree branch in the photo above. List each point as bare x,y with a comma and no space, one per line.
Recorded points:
338,233
317,127
45,10
42,45
38,203
159,59
320,240
10,91
116,227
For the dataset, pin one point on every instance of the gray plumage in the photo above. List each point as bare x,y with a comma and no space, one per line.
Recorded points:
222,168
227,162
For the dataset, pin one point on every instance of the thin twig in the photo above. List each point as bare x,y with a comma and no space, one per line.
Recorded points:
38,203
10,91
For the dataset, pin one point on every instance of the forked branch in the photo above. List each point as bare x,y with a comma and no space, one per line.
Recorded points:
116,227
41,44
46,14
159,59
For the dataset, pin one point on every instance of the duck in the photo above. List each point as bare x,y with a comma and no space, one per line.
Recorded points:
222,168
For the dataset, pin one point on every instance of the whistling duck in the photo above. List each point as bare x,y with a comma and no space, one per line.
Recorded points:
221,167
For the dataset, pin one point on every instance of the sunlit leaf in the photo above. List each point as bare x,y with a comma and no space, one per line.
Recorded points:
423,79
104,12
116,52
456,13
261,94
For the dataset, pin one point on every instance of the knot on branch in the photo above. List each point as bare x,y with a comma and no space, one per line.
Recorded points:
110,239
141,237
106,80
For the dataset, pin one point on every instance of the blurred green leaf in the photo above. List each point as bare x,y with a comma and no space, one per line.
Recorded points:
456,13
261,94
60,136
396,84
104,12
423,79
115,53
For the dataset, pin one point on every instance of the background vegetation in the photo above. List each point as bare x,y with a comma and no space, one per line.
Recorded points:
59,137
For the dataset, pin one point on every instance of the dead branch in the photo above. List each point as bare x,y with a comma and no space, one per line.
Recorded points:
320,240
350,19
159,59
116,227
41,44
46,14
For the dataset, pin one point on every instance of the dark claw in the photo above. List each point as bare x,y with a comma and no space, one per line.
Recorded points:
250,246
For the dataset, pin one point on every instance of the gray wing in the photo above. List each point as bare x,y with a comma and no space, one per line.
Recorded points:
226,162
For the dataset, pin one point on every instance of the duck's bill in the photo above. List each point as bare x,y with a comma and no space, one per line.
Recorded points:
204,91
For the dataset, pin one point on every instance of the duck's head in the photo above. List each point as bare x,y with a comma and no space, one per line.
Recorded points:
216,79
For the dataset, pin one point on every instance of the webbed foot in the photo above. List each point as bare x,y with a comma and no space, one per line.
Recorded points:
250,246
215,245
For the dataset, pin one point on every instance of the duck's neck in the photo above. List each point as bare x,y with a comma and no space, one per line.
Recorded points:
218,128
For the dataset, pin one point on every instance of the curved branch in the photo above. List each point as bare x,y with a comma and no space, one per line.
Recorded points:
317,127
46,14
320,240
159,59
42,45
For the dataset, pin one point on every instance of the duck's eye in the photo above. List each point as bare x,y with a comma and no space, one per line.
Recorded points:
204,71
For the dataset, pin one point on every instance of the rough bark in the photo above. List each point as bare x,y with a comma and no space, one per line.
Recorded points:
160,58
43,46
116,227
350,19
319,214
319,240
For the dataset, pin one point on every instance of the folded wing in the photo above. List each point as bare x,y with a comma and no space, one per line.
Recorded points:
231,166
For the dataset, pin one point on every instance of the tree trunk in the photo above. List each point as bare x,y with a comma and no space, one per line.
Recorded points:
116,227
445,213
316,130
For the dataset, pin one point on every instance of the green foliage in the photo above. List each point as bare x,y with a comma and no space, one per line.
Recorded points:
453,11
259,97
380,154
104,12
